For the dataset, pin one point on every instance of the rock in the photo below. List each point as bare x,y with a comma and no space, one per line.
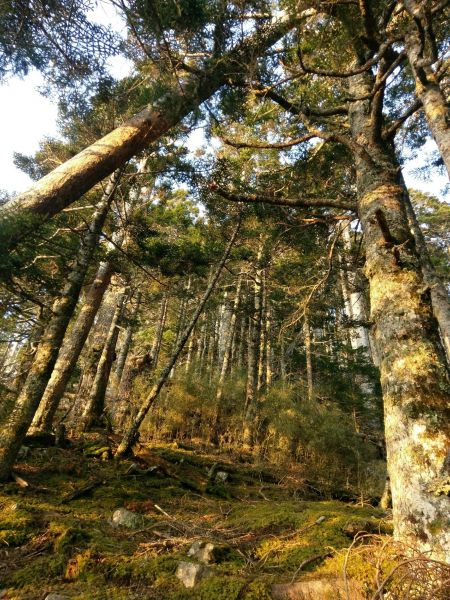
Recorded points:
125,518
191,573
53,596
317,589
221,477
202,551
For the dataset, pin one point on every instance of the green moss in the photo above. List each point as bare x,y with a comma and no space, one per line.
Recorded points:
219,588
16,524
125,569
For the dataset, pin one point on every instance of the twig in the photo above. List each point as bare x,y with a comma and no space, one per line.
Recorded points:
308,561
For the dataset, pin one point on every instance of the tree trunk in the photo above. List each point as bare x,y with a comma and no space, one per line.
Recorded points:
268,344
439,295
414,377
309,370
126,342
226,361
71,350
251,392
70,180
130,436
16,426
95,406
156,346
262,337
428,90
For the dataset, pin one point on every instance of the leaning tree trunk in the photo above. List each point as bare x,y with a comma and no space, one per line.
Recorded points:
428,90
130,436
16,426
71,350
69,181
414,376
95,405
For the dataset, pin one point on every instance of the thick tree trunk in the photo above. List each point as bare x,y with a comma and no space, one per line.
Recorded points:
428,90
71,350
130,436
69,181
414,376
226,360
16,426
93,412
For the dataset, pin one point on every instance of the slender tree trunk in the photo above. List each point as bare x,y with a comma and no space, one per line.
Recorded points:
130,436
226,360
283,372
414,376
95,406
428,90
309,369
262,337
356,309
269,358
156,346
69,181
126,342
439,295
251,393
14,431
71,350
189,354
241,346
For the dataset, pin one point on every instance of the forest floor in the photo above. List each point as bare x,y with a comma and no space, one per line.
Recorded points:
268,526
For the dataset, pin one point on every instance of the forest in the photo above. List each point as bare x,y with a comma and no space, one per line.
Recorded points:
224,315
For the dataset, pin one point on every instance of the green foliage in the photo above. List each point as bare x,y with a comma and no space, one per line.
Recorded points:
56,37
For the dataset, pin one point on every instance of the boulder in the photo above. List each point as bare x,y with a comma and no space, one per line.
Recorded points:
54,596
123,517
191,573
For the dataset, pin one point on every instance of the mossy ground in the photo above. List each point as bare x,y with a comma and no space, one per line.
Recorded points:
262,518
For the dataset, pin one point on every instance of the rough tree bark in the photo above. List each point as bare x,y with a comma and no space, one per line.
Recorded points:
130,436
17,423
414,376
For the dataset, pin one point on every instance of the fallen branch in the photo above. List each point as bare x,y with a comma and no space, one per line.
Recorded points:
88,487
